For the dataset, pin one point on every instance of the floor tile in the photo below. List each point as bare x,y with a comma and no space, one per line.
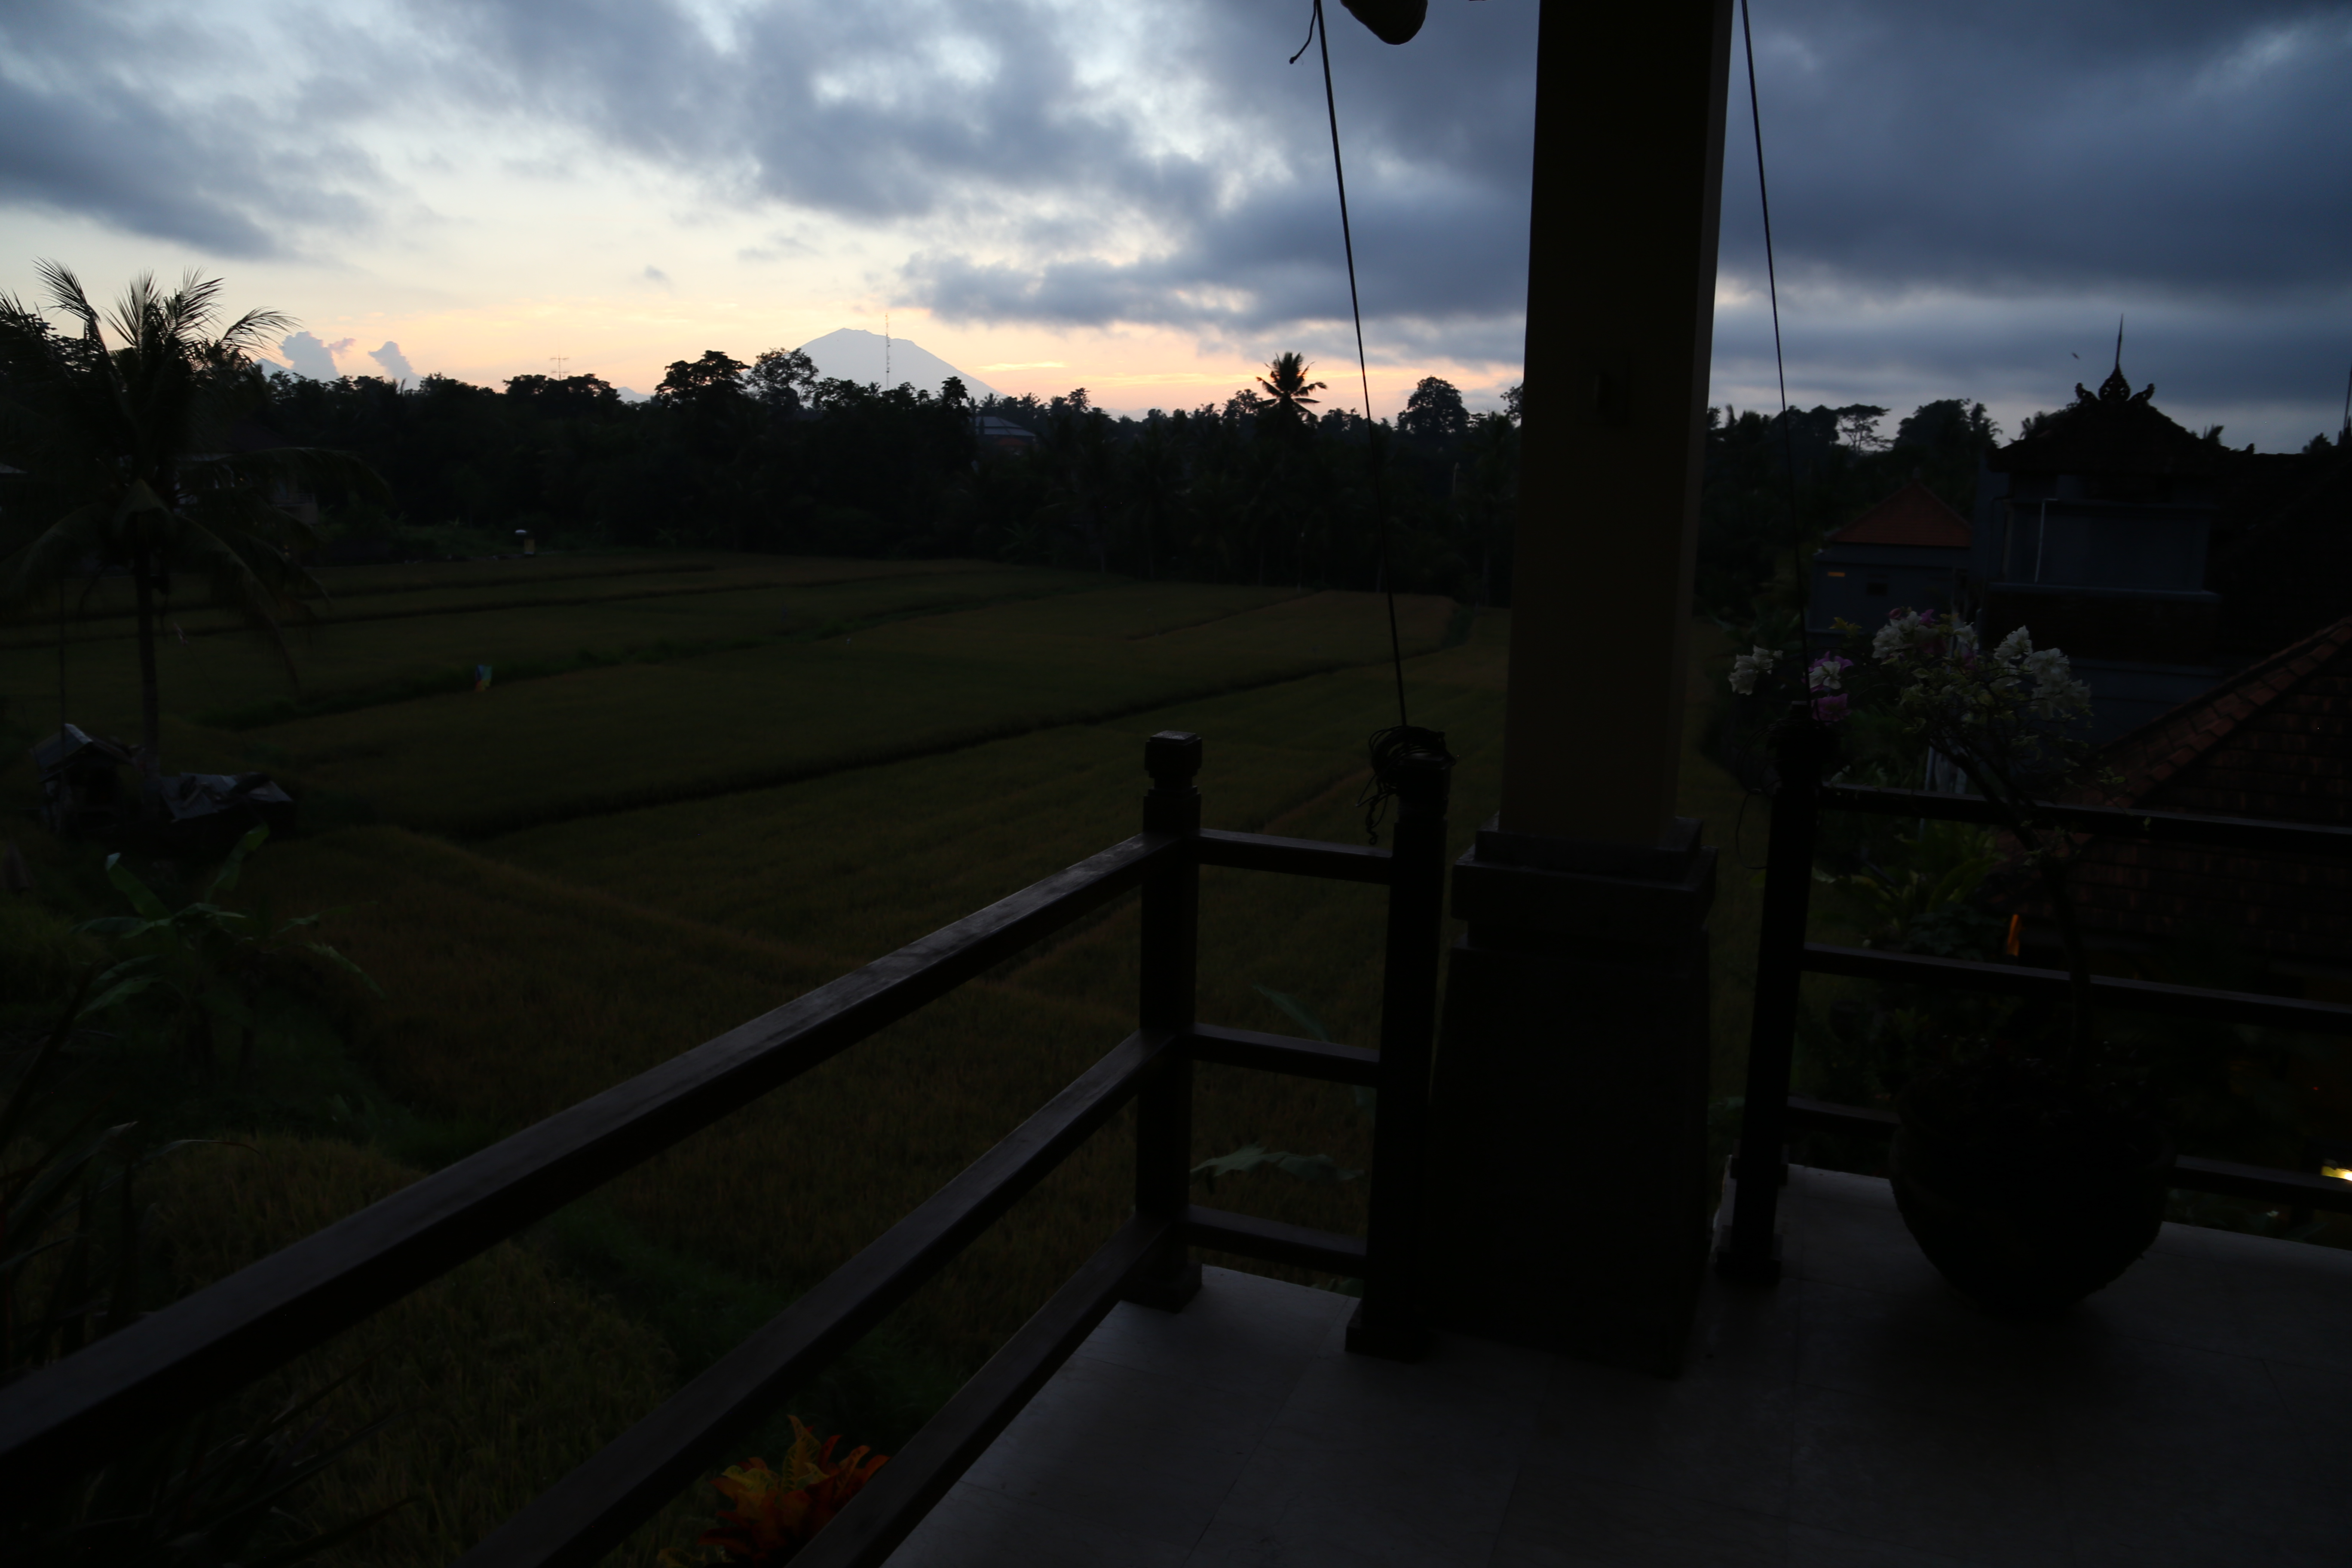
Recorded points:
1375,1462
1976,1485
978,1529
1715,1439
1241,1332
1859,1415
1562,1519
1810,1546
1925,1345
1141,1453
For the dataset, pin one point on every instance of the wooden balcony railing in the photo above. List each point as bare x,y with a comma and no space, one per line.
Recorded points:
1784,957
66,1418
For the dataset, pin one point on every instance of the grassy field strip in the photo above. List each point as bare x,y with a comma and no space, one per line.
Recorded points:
200,618
944,591
639,735
829,610
110,600
353,580
238,683
527,589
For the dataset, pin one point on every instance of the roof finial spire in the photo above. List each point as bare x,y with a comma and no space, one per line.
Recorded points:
2119,342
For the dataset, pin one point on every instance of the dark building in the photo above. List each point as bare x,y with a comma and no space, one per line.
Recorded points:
1910,550
2095,530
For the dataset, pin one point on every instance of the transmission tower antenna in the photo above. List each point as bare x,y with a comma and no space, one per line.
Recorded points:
559,360
886,348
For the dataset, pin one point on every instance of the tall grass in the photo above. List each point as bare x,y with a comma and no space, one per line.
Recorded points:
499,1376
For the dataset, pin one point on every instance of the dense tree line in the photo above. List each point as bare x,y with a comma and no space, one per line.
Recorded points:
767,456
1266,486
1776,489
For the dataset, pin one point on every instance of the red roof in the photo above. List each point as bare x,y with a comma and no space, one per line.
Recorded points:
1913,515
2272,742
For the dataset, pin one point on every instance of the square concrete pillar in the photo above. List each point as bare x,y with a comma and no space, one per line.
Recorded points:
1569,1176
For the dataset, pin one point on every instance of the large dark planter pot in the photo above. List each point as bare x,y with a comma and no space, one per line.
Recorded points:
2028,1194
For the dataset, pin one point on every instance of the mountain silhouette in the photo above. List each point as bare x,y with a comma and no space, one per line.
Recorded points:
854,355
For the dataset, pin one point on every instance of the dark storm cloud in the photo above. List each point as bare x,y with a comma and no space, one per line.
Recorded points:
2190,149
93,122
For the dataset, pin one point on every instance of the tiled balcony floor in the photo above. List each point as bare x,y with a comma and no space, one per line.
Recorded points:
2198,1411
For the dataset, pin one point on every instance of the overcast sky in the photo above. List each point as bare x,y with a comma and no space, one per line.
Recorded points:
1136,195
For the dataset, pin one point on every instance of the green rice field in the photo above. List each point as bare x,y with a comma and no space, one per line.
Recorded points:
694,789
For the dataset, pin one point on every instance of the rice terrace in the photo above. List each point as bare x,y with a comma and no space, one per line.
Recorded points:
692,787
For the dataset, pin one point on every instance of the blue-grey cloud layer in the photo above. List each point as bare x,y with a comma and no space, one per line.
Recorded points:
1961,193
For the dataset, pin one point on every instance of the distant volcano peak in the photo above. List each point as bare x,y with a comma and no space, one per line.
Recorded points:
853,353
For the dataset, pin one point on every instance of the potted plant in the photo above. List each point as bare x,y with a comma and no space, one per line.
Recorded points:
2022,1168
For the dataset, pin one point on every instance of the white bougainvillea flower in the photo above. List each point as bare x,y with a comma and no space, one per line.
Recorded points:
1750,667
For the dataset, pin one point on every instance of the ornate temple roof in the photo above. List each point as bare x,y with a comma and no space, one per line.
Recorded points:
2113,430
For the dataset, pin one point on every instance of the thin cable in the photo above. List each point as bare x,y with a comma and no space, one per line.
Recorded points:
1772,284
1322,35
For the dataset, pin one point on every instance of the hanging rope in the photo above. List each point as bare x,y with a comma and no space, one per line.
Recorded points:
1402,736
1772,285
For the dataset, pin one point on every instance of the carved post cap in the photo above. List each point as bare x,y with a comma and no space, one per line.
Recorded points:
1172,758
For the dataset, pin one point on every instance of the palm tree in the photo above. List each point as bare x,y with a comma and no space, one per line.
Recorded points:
1288,387
122,424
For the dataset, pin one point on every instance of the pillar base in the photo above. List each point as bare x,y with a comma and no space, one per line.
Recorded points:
1167,1285
1407,1340
1728,1264
1568,1175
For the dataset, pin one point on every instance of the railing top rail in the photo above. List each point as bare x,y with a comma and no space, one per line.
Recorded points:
262,1317
2118,821
1296,856
2292,1013
574,1523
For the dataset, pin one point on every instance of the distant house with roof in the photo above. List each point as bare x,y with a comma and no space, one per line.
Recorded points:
2271,742
1910,550
996,434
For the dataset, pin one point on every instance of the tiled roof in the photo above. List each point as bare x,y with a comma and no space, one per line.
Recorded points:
2273,741
1913,515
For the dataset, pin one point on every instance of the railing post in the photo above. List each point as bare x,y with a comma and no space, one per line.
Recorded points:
1753,1249
1171,937
1393,1319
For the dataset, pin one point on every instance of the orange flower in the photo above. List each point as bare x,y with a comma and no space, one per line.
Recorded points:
776,1511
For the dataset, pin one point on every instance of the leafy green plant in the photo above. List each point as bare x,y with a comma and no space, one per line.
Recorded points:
212,965
66,1278
73,1257
1927,900
1254,1157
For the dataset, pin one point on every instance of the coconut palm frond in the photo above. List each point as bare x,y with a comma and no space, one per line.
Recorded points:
120,421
